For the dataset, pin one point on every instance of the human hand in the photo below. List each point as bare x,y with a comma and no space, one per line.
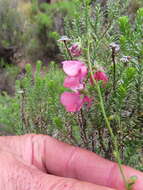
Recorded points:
40,162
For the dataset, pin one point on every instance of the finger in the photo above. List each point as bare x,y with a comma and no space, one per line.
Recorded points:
65,160
69,161
16,174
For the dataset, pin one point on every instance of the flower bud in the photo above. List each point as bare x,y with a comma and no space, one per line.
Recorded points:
64,39
75,50
114,47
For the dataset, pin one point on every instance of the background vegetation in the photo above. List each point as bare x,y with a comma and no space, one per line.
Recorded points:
32,29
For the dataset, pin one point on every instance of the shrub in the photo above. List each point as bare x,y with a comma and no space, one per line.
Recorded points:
35,103
11,24
100,38
15,31
47,20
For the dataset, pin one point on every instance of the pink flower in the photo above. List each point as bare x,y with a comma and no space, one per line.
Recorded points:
73,101
76,71
75,68
75,50
73,83
87,100
99,75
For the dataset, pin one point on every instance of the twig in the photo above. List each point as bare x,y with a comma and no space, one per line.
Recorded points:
114,68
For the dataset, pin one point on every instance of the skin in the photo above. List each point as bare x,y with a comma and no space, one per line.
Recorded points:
40,162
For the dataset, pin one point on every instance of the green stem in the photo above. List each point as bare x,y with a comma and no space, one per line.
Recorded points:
117,156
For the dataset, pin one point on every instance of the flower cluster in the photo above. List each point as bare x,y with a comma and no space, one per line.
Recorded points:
76,72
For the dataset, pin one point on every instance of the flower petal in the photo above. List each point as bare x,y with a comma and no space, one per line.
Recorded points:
72,101
99,75
73,83
74,68
83,71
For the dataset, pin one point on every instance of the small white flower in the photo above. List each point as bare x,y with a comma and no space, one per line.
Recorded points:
64,38
125,59
115,46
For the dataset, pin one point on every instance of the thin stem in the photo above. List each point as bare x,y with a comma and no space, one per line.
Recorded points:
138,85
82,125
117,156
114,69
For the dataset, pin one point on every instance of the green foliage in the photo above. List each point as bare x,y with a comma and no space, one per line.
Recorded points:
36,105
35,108
47,19
33,28
7,79
2,63
11,24
128,77
124,104
124,25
